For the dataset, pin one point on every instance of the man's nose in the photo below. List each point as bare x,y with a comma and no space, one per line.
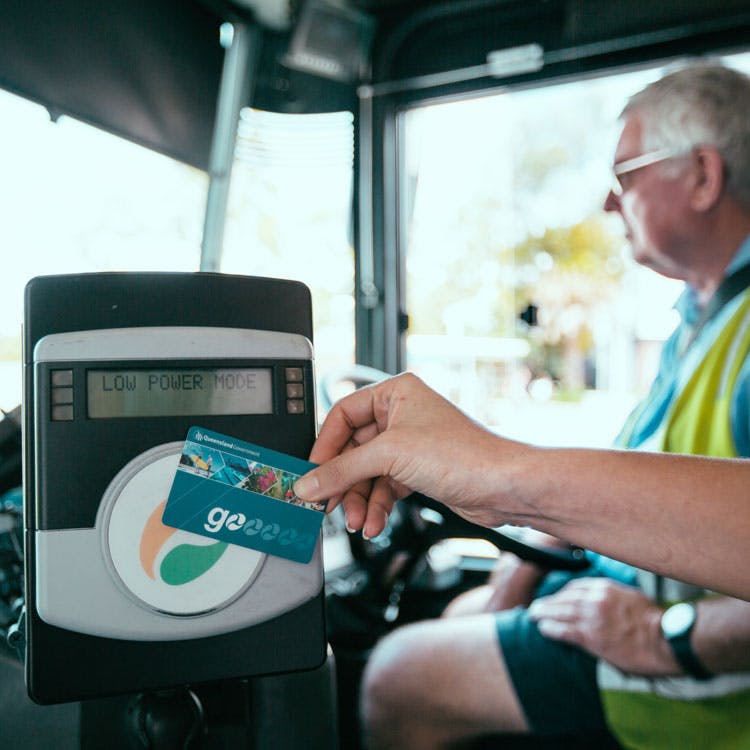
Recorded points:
612,202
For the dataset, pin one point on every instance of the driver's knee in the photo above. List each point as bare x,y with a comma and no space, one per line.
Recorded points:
395,699
472,602
438,682
388,678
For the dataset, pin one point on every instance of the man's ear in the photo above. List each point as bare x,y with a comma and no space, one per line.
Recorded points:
709,174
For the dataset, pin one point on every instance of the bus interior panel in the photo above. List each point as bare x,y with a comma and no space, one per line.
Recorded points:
435,174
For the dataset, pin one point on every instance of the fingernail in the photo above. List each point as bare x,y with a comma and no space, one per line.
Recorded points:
364,536
350,529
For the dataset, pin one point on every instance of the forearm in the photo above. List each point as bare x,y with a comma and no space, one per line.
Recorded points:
685,517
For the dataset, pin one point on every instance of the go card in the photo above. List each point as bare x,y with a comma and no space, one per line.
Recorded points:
241,493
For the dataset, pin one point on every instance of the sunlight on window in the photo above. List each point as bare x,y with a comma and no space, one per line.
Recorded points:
289,216
76,199
504,211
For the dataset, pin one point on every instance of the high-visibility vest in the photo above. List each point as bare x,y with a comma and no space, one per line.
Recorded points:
699,419
680,712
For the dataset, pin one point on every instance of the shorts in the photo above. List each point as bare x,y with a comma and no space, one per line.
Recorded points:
555,682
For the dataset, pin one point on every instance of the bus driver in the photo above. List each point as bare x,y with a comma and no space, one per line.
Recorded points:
595,652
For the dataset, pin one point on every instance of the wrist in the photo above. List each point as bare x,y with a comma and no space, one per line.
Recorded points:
665,662
677,624
521,483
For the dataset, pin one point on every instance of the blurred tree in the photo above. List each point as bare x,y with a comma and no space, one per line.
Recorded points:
577,272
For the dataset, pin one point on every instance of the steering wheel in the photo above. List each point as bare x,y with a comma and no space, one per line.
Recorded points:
437,522
418,522
343,380
446,524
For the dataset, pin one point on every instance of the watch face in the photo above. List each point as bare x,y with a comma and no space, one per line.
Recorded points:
677,619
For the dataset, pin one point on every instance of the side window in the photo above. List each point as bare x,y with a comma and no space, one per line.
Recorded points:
289,216
524,304
76,199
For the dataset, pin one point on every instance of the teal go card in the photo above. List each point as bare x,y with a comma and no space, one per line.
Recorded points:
241,493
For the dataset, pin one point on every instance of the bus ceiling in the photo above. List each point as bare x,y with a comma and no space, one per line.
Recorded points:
150,70
172,75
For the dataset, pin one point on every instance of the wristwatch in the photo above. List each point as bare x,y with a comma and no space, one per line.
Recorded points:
676,624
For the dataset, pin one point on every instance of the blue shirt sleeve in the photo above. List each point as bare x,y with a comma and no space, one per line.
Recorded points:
650,412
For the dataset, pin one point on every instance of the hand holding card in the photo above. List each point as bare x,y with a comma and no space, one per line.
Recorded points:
242,493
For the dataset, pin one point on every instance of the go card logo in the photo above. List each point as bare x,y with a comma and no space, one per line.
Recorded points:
183,563
220,517
273,537
170,570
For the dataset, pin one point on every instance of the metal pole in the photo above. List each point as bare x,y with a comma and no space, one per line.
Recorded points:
237,80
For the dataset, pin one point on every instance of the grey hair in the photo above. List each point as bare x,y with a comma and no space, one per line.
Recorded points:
703,104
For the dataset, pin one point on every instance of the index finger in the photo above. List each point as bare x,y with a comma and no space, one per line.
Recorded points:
347,416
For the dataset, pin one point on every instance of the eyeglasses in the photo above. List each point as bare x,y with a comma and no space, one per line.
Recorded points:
638,162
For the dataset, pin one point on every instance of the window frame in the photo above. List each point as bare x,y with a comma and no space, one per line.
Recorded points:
381,317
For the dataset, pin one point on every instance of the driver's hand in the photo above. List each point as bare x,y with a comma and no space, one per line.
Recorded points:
610,620
386,440
512,582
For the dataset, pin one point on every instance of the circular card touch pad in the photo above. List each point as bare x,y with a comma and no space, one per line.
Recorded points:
163,568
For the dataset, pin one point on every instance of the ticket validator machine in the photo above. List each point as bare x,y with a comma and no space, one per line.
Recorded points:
118,367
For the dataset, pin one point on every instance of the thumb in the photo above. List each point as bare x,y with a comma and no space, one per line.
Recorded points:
336,476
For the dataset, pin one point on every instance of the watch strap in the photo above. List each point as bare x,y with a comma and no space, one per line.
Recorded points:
687,658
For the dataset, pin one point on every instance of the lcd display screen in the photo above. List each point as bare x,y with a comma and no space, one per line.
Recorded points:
178,392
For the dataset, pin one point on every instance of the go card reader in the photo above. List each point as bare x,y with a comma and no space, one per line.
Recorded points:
118,368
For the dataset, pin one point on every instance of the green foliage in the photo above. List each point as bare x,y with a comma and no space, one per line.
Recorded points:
578,269
587,248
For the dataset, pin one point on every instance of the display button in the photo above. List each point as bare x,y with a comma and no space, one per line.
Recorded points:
62,413
62,395
295,390
293,374
61,378
295,406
